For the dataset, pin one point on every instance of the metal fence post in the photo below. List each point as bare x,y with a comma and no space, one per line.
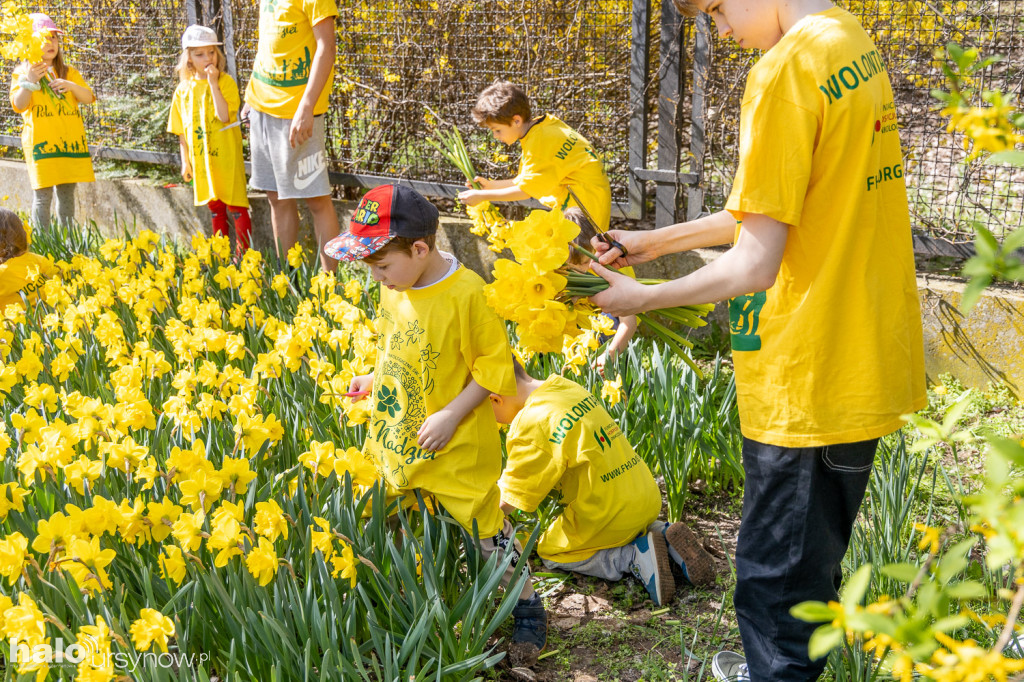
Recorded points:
698,116
639,68
670,112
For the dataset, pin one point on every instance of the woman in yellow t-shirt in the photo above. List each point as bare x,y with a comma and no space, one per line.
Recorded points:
47,95
204,116
21,273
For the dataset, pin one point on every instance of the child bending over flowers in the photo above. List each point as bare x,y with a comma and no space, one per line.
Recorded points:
22,273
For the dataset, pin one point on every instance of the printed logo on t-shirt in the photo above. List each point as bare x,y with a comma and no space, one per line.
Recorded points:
397,416
606,434
744,320
851,77
286,73
571,418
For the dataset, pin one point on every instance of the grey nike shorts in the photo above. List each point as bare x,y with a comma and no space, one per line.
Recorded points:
299,173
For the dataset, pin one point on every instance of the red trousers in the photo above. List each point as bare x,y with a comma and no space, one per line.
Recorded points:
243,226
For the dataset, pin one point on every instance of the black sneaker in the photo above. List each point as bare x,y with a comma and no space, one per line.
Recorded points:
529,631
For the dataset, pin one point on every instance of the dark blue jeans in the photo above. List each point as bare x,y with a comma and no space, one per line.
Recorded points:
799,505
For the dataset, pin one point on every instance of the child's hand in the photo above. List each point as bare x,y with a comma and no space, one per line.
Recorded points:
436,431
471,197
186,172
483,182
60,86
360,384
36,72
212,72
600,362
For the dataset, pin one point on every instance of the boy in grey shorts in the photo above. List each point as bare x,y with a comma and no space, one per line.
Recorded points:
286,98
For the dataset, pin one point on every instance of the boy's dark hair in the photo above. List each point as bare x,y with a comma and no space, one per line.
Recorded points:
403,244
686,8
520,371
13,240
500,102
587,233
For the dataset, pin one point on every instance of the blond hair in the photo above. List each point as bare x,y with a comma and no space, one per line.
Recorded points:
186,71
13,240
686,7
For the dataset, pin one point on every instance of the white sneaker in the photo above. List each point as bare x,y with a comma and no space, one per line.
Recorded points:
728,665
651,567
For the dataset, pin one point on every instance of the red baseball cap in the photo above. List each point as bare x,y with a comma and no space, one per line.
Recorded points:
384,213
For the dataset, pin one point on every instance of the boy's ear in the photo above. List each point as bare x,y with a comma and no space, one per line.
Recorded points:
420,248
496,399
517,121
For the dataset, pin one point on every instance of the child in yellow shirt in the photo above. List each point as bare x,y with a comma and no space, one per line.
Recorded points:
22,273
562,439
441,352
555,157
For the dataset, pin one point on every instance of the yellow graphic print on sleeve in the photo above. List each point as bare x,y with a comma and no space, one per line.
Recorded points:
53,136
832,352
215,148
284,56
24,274
556,157
431,342
564,441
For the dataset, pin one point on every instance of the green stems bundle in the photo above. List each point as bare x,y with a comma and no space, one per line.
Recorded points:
587,284
453,148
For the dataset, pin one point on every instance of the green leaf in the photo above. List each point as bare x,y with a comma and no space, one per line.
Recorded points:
972,292
825,639
856,587
814,612
903,572
967,590
1012,157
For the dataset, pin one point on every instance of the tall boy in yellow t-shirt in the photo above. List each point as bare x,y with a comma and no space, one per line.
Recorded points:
824,310
555,157
562,440
441,351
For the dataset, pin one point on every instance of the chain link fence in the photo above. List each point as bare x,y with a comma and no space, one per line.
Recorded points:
405,67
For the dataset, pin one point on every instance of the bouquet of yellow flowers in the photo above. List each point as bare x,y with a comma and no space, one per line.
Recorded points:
543,295
22,43
487,220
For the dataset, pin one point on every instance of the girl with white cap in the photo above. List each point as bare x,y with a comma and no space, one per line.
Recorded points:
204,116
47,94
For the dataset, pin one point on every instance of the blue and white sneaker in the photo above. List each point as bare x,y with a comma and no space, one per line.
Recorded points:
651,566
687,552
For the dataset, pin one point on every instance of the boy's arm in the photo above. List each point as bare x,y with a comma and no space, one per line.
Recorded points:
438,428
472,197
319,73
752,265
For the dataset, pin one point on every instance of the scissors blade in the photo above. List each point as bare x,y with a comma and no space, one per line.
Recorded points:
586,213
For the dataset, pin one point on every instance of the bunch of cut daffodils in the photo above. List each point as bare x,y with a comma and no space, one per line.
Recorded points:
21,44
541,294
487,219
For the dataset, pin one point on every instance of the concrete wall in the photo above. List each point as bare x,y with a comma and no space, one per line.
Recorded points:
987,346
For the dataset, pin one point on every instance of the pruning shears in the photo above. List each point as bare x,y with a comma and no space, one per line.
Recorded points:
601,234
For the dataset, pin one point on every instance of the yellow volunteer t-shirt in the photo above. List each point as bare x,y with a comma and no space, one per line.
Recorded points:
284,56
431,343
23,274
215,150
564,440
833,352
556,157
53,136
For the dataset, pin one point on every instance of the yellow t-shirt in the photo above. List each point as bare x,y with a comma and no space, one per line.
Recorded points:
431,343
53,136
284,56
218,167
833,352
556,157
564,440
23,274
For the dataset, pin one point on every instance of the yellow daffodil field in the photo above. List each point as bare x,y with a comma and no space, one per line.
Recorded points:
183,491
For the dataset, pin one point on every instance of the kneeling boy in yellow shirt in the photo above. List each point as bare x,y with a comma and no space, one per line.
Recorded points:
561,438
22,272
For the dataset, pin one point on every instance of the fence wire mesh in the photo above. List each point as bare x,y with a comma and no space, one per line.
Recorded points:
405,67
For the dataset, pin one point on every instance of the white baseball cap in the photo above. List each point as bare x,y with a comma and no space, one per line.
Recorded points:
198,36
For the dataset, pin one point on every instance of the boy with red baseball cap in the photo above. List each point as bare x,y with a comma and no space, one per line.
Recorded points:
441,352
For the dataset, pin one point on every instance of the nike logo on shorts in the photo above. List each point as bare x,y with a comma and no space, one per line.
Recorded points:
309,168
